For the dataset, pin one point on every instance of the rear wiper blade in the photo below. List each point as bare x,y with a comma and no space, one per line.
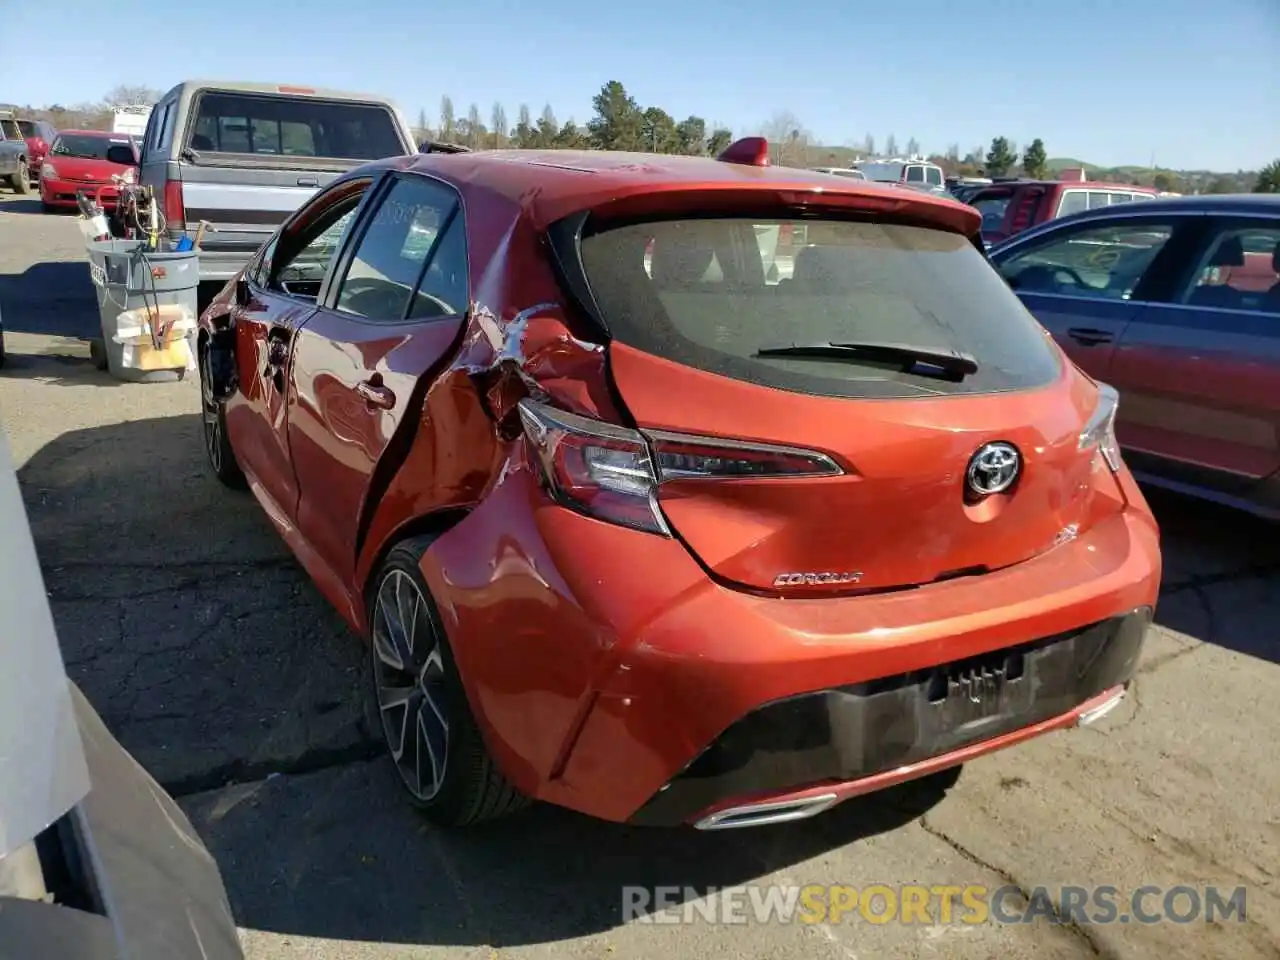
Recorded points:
954,362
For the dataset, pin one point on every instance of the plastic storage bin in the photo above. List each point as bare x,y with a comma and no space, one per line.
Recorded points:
143,285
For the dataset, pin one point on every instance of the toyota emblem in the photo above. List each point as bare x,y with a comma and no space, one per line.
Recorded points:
993,469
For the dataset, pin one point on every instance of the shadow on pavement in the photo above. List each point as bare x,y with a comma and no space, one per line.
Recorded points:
54,298
350,860
1221,578
214,661
26,205
181,614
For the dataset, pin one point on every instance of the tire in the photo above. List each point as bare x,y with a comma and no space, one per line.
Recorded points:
416,690
213,428
21,181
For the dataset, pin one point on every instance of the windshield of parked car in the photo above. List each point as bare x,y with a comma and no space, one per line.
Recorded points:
712,293
85,146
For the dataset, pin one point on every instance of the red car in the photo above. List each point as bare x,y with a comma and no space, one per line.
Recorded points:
86,160
677,539
39,135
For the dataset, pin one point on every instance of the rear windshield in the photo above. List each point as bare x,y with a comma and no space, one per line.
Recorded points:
28,128
85,147
710,293
293,127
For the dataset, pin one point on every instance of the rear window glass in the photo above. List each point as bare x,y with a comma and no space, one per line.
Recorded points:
293,127
992,206
85,147
711,293
28,128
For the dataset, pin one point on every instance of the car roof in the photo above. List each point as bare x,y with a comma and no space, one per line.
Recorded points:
1238,204
275,89
1233,204
106,134
551,184
1073,184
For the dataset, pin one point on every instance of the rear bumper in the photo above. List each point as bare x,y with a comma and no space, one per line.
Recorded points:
834,744
607,670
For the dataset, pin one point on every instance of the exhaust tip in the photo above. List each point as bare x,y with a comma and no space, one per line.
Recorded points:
768,812
1095,714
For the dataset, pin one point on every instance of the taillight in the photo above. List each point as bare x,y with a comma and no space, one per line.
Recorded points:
614,474
175,214
1025,212
1100,432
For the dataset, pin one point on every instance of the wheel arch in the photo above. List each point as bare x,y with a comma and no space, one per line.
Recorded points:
425,527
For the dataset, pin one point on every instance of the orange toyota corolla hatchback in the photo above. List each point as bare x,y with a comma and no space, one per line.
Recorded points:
678,490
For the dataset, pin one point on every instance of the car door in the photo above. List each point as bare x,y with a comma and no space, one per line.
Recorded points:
274,300
1085,281
1201,371
390,316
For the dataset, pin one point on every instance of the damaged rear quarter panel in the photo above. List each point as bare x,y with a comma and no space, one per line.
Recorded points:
519,339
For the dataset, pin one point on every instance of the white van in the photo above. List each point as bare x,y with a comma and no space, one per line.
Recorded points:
917,174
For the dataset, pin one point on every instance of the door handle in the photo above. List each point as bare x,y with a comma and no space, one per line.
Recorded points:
376,395
1089,336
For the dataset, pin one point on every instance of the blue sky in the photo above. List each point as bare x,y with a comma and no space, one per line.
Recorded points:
1188,82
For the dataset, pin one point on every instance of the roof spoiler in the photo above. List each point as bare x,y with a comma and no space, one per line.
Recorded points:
749,151
440,146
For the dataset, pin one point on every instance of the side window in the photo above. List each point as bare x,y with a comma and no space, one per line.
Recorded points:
388,263
1099,262
151,133
1099,198
934,175
1073,201
296,265
915,174
1239,269
164,137
443,290
992,208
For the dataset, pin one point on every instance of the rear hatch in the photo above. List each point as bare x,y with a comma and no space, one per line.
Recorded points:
251,159
939,360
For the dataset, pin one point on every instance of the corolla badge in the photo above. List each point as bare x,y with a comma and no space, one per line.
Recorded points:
993,469
815,578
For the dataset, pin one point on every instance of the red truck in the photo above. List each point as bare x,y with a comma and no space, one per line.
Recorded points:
1011,206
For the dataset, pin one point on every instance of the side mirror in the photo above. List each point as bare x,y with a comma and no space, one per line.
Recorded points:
242,292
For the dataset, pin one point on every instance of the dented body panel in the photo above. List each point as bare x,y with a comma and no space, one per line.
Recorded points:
600,662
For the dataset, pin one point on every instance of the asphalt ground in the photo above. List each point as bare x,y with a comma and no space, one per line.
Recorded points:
213,659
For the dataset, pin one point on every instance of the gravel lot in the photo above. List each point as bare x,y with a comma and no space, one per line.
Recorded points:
216,663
